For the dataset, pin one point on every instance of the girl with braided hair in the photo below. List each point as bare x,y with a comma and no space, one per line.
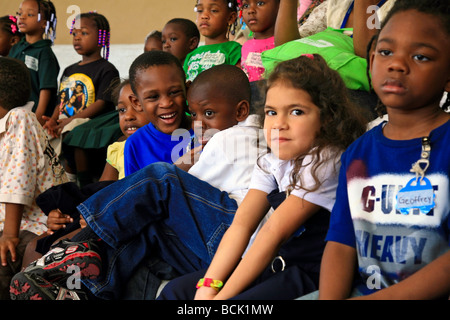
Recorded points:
37,20
92,122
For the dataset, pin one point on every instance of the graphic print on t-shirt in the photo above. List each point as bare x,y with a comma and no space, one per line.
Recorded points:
76,93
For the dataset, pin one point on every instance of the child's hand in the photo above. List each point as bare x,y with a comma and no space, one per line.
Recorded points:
62,123
8,244
186,161
57,220
83,223
51,126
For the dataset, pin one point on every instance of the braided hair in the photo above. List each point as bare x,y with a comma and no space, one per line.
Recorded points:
438,8
47,11
104,31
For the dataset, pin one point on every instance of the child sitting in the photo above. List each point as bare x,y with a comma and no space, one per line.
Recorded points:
179,37
130,120
93,124
391,218
37,20
215,20
28,167
155,191
158,83
60,202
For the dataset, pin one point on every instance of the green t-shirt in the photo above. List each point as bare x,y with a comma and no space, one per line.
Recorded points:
207,56
43,66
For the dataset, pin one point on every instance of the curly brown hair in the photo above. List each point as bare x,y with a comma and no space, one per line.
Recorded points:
342,121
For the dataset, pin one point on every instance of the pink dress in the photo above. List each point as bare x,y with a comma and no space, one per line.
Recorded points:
251,57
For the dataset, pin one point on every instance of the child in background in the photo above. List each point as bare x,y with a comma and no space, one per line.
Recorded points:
260,17
28,167
130,120
153,41
309,121
179,37
158,83
399,246
215,20
157,190
94,124
37,19
9,34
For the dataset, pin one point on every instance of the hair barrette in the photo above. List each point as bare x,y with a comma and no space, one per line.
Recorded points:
308,55
13,19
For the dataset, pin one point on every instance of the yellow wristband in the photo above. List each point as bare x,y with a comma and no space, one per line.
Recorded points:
208,282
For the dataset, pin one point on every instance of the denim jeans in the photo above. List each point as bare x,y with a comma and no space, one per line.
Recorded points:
159,210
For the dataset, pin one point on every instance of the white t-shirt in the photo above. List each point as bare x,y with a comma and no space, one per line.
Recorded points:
228,159
272,173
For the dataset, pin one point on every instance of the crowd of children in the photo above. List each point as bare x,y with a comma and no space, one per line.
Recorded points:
211,177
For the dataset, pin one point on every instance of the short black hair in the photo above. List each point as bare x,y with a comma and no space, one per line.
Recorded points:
187,26
230,81
151,59
15,83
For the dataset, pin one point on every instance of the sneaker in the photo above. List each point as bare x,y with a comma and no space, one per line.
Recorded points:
30,286
68,259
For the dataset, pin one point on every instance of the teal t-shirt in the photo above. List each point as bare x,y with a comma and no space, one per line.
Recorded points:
207,56
43,66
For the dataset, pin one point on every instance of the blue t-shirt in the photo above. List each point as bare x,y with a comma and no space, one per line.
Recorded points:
391,245
148,145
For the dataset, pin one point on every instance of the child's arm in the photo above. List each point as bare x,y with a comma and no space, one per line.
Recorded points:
235,240
109,173
337,271
44,100
288,217
430,282
286,26
10,237
51,123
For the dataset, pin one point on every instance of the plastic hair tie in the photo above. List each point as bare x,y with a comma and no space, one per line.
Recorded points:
308,55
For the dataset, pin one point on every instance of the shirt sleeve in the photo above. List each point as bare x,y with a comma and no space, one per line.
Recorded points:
327,175
20,162
130,161
341,225
48,79
262,178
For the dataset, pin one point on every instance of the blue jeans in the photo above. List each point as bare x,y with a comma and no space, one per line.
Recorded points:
161,211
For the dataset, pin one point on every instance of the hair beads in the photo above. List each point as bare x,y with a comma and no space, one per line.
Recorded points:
103,30
103,41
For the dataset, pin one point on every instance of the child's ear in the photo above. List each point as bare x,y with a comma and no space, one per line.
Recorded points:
193,43
232,19
14,40
242,110
135,103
